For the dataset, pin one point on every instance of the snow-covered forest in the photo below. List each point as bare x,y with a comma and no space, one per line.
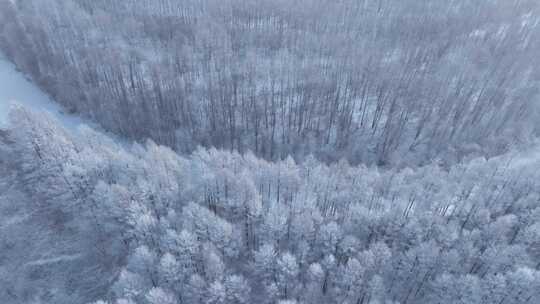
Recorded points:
273,152
373,81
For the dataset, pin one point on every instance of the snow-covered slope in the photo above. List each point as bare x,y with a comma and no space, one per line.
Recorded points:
16,88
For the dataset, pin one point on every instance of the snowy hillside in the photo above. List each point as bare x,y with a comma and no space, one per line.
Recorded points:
269,152
40,258
15,88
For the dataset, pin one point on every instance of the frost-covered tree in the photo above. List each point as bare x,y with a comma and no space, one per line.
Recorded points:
376,82
334,234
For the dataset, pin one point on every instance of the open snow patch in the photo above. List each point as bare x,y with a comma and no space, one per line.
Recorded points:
16,88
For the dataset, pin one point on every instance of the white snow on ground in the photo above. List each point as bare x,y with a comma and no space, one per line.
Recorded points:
16,88
528,157
57,259
13,220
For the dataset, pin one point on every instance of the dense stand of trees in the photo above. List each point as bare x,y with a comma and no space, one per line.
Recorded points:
224,227
55,245
373,81
340,151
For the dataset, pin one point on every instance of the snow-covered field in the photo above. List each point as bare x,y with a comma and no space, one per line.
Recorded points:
16,88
